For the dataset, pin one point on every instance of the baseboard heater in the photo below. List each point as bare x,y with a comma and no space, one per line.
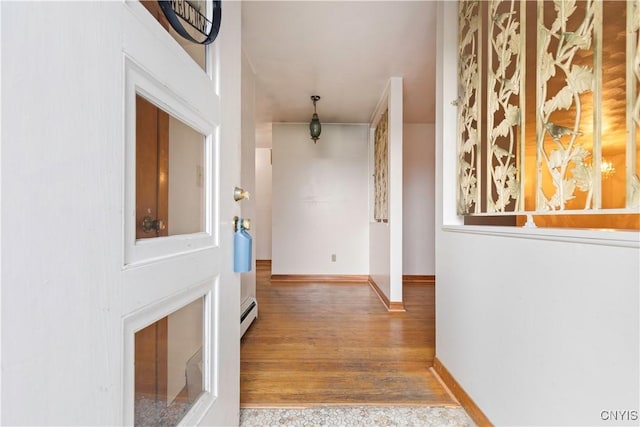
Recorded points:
249,312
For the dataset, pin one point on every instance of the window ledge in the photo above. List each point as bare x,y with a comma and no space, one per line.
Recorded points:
600,237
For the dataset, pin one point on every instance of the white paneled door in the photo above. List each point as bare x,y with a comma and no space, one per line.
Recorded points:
124,139
181,317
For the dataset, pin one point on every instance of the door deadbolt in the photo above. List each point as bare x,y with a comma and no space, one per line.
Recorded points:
241,223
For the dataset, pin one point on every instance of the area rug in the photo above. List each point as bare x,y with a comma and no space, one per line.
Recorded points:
153,413
369,416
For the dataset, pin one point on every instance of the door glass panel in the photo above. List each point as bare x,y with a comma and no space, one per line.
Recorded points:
169,366
170,174
197,52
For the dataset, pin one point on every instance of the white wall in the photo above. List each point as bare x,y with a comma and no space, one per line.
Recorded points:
418,242
61,144
263,204
540,327
186,180
320,200
184,339
385,244
379,258
248,169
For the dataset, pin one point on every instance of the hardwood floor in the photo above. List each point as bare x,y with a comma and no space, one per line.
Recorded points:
335,344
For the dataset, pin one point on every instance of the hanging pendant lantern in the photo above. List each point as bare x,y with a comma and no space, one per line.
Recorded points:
315,128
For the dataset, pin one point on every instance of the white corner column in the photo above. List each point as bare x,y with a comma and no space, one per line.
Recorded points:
395,189
385,238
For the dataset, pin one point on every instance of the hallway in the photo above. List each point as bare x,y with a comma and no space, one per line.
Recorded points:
335,344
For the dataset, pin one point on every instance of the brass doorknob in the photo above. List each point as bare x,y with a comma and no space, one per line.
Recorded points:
150,225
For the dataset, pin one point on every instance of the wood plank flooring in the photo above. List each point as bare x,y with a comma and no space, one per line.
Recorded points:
335,344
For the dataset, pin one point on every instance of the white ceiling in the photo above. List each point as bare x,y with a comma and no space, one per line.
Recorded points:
344,51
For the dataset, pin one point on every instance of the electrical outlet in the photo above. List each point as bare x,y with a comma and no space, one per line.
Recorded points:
333,257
